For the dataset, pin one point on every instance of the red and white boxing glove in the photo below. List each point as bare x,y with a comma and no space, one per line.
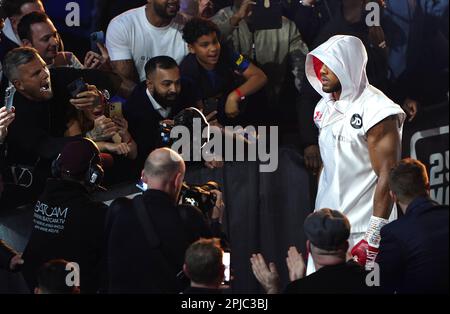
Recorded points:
365,251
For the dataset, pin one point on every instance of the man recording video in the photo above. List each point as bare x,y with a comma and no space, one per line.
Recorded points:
41,115
68,224
155,100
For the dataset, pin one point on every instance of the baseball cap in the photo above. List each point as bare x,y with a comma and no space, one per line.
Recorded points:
327,229
76,156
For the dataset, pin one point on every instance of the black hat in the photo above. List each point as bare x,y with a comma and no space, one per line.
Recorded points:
327,229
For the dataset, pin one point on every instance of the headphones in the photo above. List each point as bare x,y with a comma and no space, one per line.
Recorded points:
93,176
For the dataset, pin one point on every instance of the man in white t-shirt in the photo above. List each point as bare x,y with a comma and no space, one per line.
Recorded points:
138,35
360,141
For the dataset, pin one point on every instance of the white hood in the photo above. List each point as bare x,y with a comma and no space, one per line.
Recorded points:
346,56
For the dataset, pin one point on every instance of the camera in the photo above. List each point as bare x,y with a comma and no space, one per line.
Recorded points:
186,118
200,196
165,130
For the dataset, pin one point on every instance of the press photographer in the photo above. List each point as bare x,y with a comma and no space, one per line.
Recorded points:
153,230
156,105
155,100
206,199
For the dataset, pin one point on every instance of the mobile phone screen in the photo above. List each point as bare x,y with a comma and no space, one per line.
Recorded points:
142,186
9,97
210,105
115,110
226,260
97,37
76,87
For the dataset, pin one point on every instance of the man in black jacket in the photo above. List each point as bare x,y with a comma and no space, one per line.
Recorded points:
68,224
413,254
155,100
42,107
327,232
147,237
13,10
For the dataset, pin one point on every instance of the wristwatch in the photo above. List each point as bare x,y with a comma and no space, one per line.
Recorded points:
106,94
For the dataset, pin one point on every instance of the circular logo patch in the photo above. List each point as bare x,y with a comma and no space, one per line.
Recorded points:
356,121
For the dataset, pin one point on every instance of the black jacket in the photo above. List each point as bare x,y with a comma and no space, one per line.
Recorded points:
345,278
135,266
34,140
413,254
68,224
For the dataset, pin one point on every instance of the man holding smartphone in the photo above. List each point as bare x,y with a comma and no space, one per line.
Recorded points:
6,118
37,30
42,110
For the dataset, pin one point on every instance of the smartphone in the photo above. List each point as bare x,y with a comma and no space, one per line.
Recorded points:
142,186
9,97
226,261
210,105
267,14
115,110
97,37
76,87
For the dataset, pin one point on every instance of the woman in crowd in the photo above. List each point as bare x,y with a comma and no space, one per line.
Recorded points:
109,133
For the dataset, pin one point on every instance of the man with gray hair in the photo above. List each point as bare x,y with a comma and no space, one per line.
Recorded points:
42,107
147,236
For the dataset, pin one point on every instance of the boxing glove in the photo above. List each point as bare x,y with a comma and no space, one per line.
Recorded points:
365,251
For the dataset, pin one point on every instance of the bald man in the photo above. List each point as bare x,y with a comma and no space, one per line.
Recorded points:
147,235
164,170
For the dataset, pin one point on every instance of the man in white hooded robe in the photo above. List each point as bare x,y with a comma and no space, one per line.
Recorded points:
360,141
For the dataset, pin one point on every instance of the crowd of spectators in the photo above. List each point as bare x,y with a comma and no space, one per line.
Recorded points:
75,127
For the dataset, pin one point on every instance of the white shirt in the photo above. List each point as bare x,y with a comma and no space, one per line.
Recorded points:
164,112
9,32
130,36
348,181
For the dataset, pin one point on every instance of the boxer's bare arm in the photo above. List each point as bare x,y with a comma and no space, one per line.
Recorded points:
385,152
